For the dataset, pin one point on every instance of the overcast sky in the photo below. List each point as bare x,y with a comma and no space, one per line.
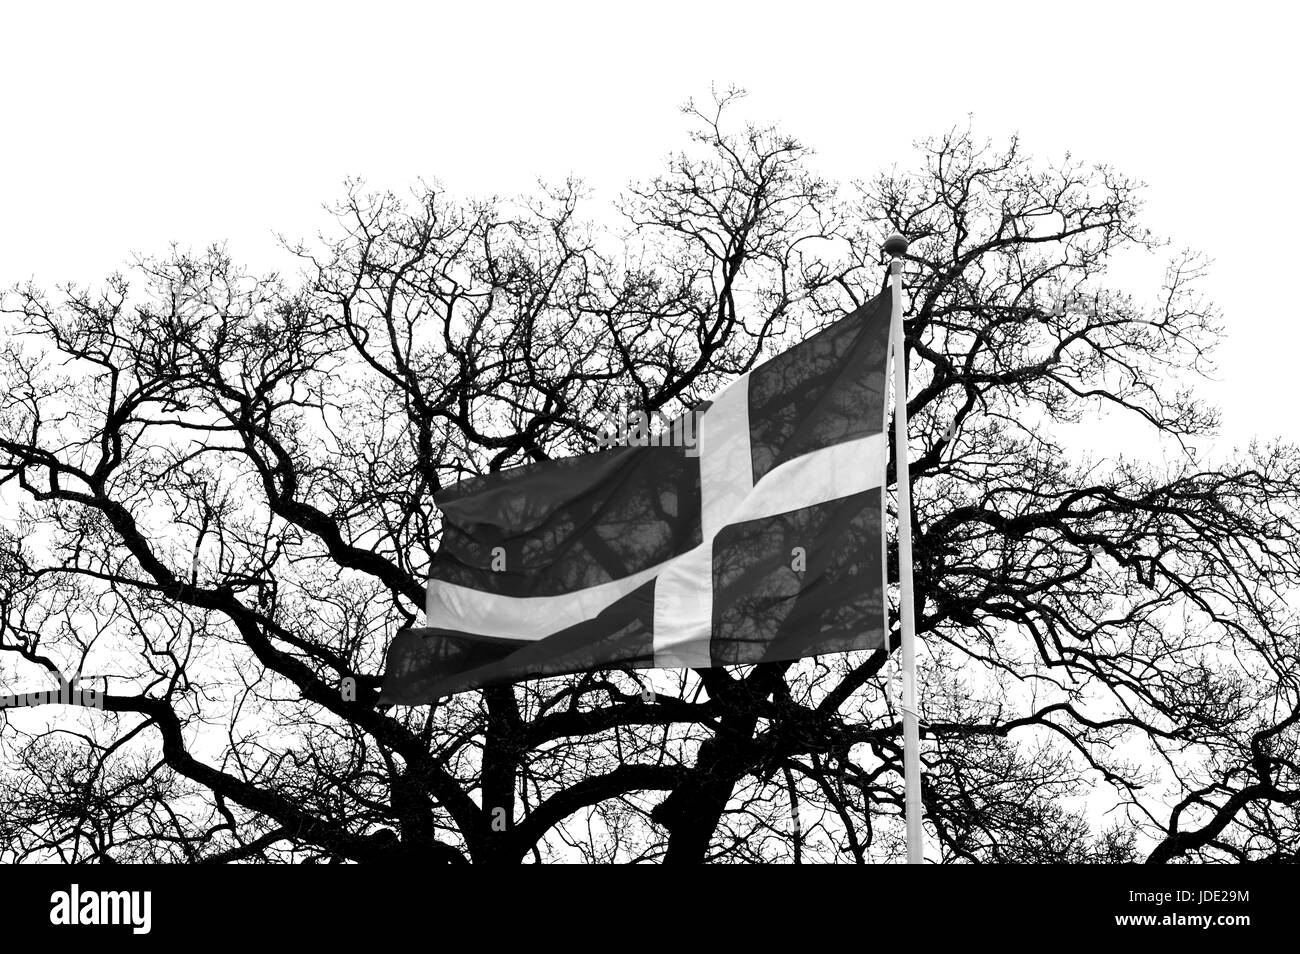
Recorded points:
126,126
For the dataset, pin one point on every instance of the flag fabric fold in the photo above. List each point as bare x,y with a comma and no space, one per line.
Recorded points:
760,540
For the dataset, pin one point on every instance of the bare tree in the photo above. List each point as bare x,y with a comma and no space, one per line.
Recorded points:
218,489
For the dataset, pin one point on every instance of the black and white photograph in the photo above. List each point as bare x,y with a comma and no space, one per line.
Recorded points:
713,433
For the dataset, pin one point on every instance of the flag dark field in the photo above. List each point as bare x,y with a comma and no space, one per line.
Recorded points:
764,541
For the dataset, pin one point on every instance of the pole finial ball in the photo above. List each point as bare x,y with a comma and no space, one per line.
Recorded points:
895,245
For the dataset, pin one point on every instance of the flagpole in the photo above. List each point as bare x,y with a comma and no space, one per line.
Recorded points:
896,246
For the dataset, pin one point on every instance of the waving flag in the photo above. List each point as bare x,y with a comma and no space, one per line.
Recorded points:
759,540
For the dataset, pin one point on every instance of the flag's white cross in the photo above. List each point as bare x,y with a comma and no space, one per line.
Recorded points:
683,608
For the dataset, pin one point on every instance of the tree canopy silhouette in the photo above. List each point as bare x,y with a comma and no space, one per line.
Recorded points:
217,490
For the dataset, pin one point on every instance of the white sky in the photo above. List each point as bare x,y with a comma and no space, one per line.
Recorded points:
125,126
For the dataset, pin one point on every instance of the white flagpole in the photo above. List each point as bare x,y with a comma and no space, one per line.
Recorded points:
895,246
